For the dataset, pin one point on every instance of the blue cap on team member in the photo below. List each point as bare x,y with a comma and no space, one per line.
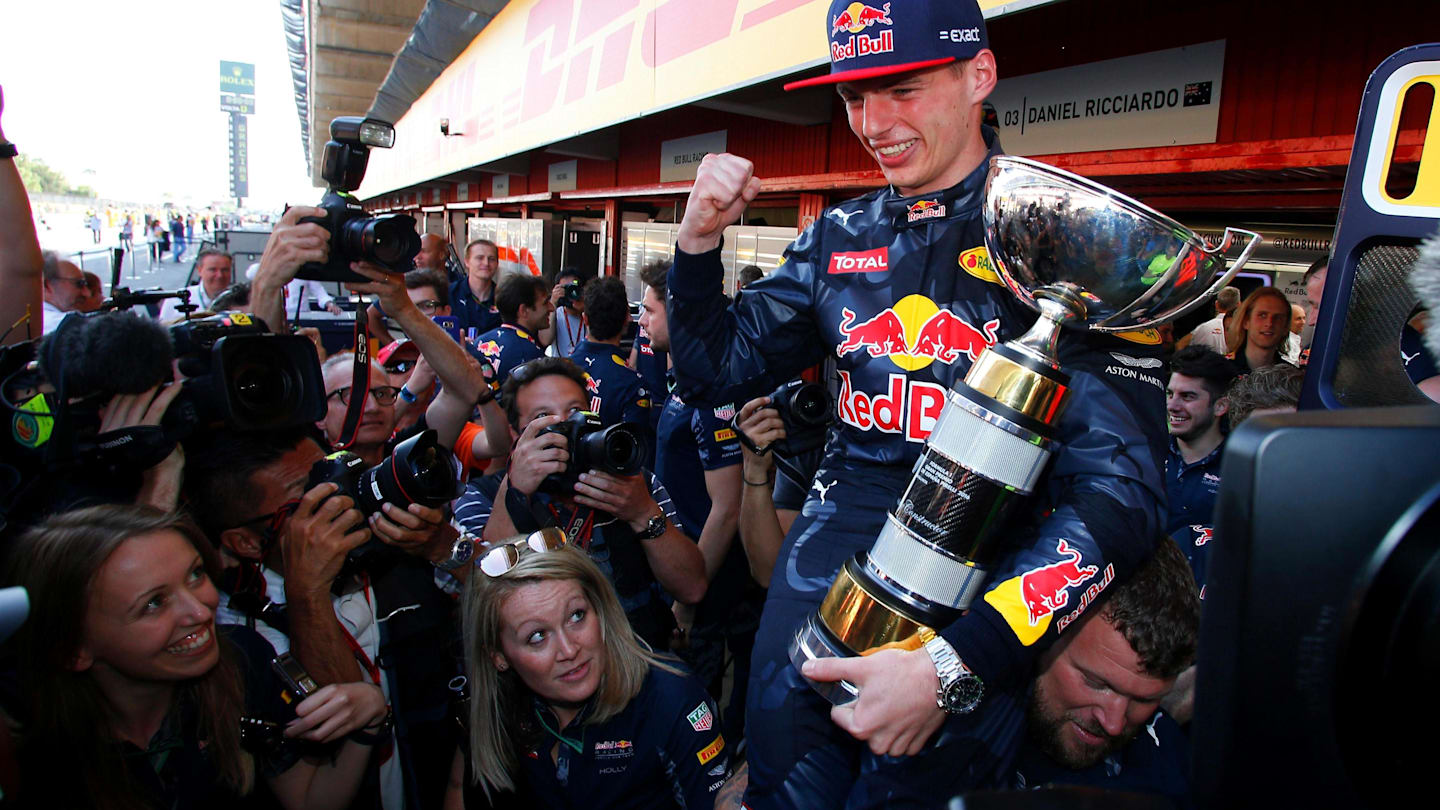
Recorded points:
897,37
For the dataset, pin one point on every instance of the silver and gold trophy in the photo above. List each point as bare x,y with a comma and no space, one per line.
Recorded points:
1084,257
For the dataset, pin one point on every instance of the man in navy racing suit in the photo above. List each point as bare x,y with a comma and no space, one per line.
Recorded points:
899,286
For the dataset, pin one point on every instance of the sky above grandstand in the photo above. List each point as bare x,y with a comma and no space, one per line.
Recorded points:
124,97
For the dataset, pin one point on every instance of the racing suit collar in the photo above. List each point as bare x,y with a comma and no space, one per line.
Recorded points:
960,200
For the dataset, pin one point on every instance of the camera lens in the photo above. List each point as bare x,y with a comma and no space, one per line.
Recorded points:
387,241
260,388
620,450
811,406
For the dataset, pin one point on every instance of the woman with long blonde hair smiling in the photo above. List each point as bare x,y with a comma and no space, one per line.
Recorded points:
567,707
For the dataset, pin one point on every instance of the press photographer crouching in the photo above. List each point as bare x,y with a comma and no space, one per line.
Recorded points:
622,518
570,708
132,697
351,600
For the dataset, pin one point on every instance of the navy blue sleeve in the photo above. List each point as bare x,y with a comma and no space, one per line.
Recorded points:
727,353
694,750
719,446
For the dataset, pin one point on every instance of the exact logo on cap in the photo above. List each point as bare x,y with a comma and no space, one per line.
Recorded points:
897,36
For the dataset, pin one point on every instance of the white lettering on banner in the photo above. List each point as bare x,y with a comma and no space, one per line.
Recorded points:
910,407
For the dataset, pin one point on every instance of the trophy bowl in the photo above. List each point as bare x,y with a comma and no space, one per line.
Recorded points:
1132,266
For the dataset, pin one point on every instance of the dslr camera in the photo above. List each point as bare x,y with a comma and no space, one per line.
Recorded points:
420,470
618,450
572,294
806,408
390,240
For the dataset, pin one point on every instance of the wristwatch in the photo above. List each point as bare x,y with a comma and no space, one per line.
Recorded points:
8,150
655,527
461,551
960,689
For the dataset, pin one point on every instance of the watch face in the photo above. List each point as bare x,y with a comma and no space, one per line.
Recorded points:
963,694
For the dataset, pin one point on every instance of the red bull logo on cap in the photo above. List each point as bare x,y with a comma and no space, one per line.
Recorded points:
925,209
1030,600
914,333
856,18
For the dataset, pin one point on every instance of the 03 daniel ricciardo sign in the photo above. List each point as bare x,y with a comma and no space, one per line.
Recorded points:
1162,98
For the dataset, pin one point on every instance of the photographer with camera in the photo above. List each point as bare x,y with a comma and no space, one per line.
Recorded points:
132,696
292,543
568,324
20,258
623,519
463,383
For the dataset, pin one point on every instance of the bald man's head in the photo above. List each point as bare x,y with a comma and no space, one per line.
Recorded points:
432,252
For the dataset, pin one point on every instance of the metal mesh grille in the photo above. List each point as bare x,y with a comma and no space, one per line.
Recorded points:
987,449
1368,370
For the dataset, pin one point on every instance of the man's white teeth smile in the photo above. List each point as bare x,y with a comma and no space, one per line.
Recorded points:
192,642
892,151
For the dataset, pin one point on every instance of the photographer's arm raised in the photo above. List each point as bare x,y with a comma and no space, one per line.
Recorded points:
459,373
291,245
20,257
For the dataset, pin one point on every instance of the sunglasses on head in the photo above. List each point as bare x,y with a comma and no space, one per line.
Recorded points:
498,560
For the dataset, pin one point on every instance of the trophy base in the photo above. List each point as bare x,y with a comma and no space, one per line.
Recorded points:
813,641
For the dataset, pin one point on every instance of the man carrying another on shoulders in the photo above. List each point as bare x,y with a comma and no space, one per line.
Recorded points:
916,107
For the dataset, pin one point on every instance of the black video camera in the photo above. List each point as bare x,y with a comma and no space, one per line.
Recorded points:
618,450
806,408
236,374
420,470
389,240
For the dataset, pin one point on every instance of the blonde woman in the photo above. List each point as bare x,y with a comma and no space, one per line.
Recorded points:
567,707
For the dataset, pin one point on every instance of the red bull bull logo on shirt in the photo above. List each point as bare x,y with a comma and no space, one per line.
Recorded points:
1030,600
853,20
912,334
938,334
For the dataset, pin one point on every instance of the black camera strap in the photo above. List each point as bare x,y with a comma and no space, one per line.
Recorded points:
359,382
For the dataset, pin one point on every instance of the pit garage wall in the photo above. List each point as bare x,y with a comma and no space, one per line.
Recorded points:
1293,74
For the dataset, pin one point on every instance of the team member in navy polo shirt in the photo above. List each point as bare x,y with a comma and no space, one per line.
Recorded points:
616,391
570,710
525,306
627,524
1195,404
1092,718
698,456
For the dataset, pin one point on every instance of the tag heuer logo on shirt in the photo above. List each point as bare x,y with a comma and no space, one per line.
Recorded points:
701,719
725,412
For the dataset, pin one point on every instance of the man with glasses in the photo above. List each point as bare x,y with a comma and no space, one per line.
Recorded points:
626,524
462,382
284,546
63,288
